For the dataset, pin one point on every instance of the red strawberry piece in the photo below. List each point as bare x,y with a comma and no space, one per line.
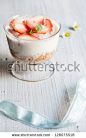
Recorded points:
20,28
24,22
37,19
27,37
44,30
49,24
15,21
14,33
38,35
31,25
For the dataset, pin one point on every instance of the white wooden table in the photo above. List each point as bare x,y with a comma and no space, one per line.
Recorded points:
49,97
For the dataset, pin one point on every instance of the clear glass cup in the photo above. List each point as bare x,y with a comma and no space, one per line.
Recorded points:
32,55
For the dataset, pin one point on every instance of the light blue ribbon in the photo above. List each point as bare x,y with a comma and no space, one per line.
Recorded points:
34,119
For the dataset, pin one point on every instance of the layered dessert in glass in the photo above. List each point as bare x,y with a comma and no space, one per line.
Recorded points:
32,39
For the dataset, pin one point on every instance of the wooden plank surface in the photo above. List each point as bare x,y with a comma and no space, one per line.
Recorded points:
50,97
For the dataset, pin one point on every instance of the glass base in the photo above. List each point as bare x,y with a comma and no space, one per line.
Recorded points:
33,72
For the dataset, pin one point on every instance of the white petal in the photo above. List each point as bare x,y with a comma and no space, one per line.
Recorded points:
63,34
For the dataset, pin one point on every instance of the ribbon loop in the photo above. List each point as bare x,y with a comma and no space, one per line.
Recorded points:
34,119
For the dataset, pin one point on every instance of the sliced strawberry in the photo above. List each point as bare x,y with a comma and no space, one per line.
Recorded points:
31,25
15,21
38,35
14,33
20,28
49,24
37,19
27,37
44,30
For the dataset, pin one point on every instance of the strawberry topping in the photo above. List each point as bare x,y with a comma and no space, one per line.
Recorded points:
28,37
15,21
20,28
33,25
14,33
31,29
49,24
38,19
38,35
44,30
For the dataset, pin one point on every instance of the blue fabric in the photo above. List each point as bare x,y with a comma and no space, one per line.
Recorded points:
34,119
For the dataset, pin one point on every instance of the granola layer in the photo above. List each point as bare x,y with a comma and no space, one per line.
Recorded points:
40,58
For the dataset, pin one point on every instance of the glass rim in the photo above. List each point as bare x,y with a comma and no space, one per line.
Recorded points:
19,39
